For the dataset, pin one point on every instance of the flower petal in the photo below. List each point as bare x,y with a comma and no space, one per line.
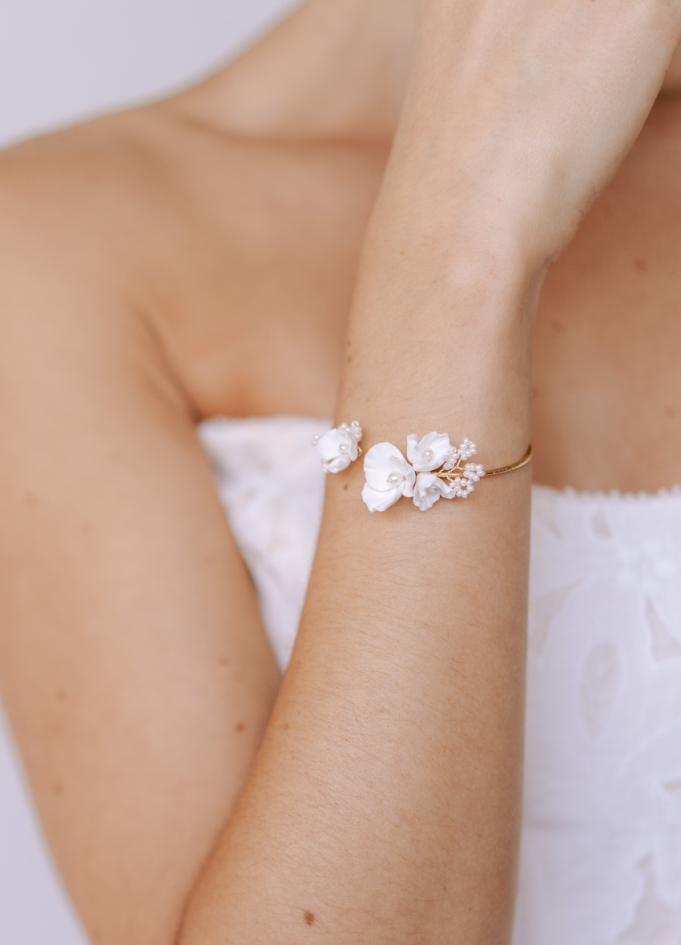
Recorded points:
437,443
446,489
381,461
378,500
409,480
328,443
429,489
413,454
337,464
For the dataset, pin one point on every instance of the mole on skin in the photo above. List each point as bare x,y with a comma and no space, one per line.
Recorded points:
309,918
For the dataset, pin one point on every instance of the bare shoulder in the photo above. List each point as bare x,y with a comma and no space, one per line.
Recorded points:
93,222
131,646
79,196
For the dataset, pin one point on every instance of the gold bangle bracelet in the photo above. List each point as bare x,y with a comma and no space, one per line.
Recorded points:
504,469
434,469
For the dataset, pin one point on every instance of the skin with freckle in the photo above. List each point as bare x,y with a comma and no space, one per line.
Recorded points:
608,337
207,255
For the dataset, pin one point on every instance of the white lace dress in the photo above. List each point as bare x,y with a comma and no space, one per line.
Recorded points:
601,845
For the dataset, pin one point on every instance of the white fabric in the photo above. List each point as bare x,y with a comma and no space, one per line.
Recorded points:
601,849
271,483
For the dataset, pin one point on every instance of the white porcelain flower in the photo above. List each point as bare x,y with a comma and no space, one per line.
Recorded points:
429,488
338,447
388,477
430,453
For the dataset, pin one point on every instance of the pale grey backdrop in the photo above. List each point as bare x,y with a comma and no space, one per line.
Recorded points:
61,60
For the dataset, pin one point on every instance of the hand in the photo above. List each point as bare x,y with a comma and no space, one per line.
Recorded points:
523,110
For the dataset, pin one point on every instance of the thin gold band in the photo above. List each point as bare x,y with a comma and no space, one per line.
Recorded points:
504,469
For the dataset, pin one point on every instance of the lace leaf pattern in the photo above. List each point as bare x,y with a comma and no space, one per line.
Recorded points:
542,611
600,683
601,845
664,645
655,922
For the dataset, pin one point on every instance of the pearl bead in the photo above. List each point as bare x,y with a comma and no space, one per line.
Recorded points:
428,455
343,448
394,479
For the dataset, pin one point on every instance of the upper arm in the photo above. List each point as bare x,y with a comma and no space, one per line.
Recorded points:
133,663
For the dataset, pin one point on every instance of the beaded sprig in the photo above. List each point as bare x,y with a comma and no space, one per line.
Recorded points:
460,476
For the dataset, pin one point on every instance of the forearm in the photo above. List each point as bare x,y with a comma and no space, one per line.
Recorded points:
385,799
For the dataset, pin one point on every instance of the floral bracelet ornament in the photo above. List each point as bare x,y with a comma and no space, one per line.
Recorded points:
435,470
339,447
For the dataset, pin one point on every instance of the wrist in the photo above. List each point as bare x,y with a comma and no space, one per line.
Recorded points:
467,267
442,345
472,204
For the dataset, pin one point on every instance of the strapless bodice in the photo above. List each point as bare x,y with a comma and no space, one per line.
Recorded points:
601,844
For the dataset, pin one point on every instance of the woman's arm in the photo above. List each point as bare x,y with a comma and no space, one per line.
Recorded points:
133,662
384,803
